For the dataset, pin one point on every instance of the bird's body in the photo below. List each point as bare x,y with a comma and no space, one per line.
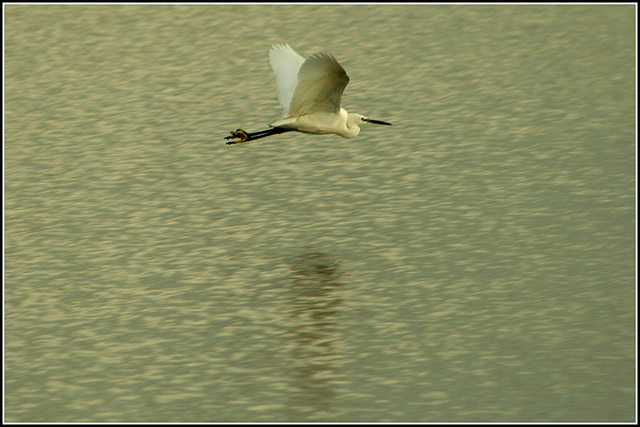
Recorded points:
310,92
321,123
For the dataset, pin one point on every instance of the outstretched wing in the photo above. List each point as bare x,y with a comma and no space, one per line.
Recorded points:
286,64
321,82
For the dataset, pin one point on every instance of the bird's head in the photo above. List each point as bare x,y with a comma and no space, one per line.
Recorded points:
377,122
358,119
354,120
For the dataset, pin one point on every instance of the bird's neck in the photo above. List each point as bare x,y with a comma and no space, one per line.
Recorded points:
351,123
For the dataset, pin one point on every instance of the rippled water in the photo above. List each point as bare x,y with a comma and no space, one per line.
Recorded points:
473,262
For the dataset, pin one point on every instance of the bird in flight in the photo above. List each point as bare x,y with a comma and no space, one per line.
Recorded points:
310,92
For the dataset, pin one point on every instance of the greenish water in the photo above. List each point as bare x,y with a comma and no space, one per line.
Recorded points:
473,262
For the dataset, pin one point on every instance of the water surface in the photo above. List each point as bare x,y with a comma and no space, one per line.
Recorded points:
473,262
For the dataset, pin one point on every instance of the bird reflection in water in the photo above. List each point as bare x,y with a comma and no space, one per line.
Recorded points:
316,336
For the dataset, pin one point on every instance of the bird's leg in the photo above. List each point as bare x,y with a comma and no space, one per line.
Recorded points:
245,136
239,133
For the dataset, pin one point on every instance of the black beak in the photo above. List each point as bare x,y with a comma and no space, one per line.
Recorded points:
378,122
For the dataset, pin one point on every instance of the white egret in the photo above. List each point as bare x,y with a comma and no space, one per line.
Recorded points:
310,92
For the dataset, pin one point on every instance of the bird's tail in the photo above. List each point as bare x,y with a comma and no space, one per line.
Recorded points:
283,123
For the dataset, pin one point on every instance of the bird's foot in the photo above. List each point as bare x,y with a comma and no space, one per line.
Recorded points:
239,133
